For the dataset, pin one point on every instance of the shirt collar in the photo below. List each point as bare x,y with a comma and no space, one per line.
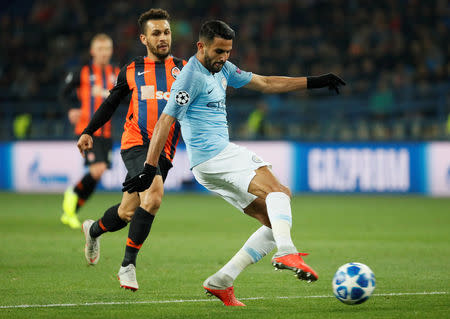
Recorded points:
200,65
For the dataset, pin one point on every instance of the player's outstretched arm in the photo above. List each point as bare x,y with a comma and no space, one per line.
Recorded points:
282,84
143,180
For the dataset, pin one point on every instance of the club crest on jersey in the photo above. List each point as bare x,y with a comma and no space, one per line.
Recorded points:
175,71
256,159
182,98
224,83
238,71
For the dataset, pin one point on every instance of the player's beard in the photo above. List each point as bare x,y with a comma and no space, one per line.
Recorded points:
212,67
159,55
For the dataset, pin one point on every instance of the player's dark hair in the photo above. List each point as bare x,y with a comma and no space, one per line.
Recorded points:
152,14
215,28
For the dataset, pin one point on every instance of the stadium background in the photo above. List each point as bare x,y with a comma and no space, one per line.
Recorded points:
388,132
394,56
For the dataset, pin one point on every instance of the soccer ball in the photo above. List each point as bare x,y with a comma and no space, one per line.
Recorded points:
353,283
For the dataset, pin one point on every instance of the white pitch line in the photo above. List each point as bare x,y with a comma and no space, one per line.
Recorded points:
111,303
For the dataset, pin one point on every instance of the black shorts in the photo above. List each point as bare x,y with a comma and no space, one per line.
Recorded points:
134,159
101,152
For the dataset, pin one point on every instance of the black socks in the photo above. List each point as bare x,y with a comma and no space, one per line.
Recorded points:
84,189
139,229
109,222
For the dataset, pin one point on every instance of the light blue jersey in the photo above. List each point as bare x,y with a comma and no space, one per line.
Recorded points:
197,100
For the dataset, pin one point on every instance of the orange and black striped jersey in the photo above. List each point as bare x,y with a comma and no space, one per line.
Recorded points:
91,84
149,83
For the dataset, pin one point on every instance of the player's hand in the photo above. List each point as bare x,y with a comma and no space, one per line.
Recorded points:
85,143
74,116
140,182
325,80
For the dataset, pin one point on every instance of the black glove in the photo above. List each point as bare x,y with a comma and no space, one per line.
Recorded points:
140,182
326,80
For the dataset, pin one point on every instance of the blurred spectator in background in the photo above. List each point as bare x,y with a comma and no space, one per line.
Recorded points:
408,42
256,123
381,101
83,92
22,125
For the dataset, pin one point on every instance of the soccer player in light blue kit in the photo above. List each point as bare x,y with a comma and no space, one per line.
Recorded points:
237,174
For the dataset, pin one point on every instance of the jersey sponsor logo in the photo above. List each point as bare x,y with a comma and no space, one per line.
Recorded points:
175,71
148,93
182,98
220,105
224,83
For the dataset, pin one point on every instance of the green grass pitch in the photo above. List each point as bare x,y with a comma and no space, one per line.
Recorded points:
405,240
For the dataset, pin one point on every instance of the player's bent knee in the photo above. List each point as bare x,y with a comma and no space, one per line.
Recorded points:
126,212
258,210
279,189
152,204
125,215
97,170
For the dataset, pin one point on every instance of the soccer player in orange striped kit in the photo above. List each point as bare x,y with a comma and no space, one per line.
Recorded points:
89,86
149,80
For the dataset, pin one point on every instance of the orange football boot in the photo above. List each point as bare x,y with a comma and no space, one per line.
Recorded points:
295,263
226,295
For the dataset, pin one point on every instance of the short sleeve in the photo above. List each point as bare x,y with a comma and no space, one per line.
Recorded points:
236,77
185,90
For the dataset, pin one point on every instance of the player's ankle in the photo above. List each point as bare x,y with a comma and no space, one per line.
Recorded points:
285,250
219,281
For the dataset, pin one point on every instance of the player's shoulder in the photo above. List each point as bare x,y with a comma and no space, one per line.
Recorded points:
229,67
136,61
114,66
73,74
80,68
191,73
193,67
180,63
190,78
